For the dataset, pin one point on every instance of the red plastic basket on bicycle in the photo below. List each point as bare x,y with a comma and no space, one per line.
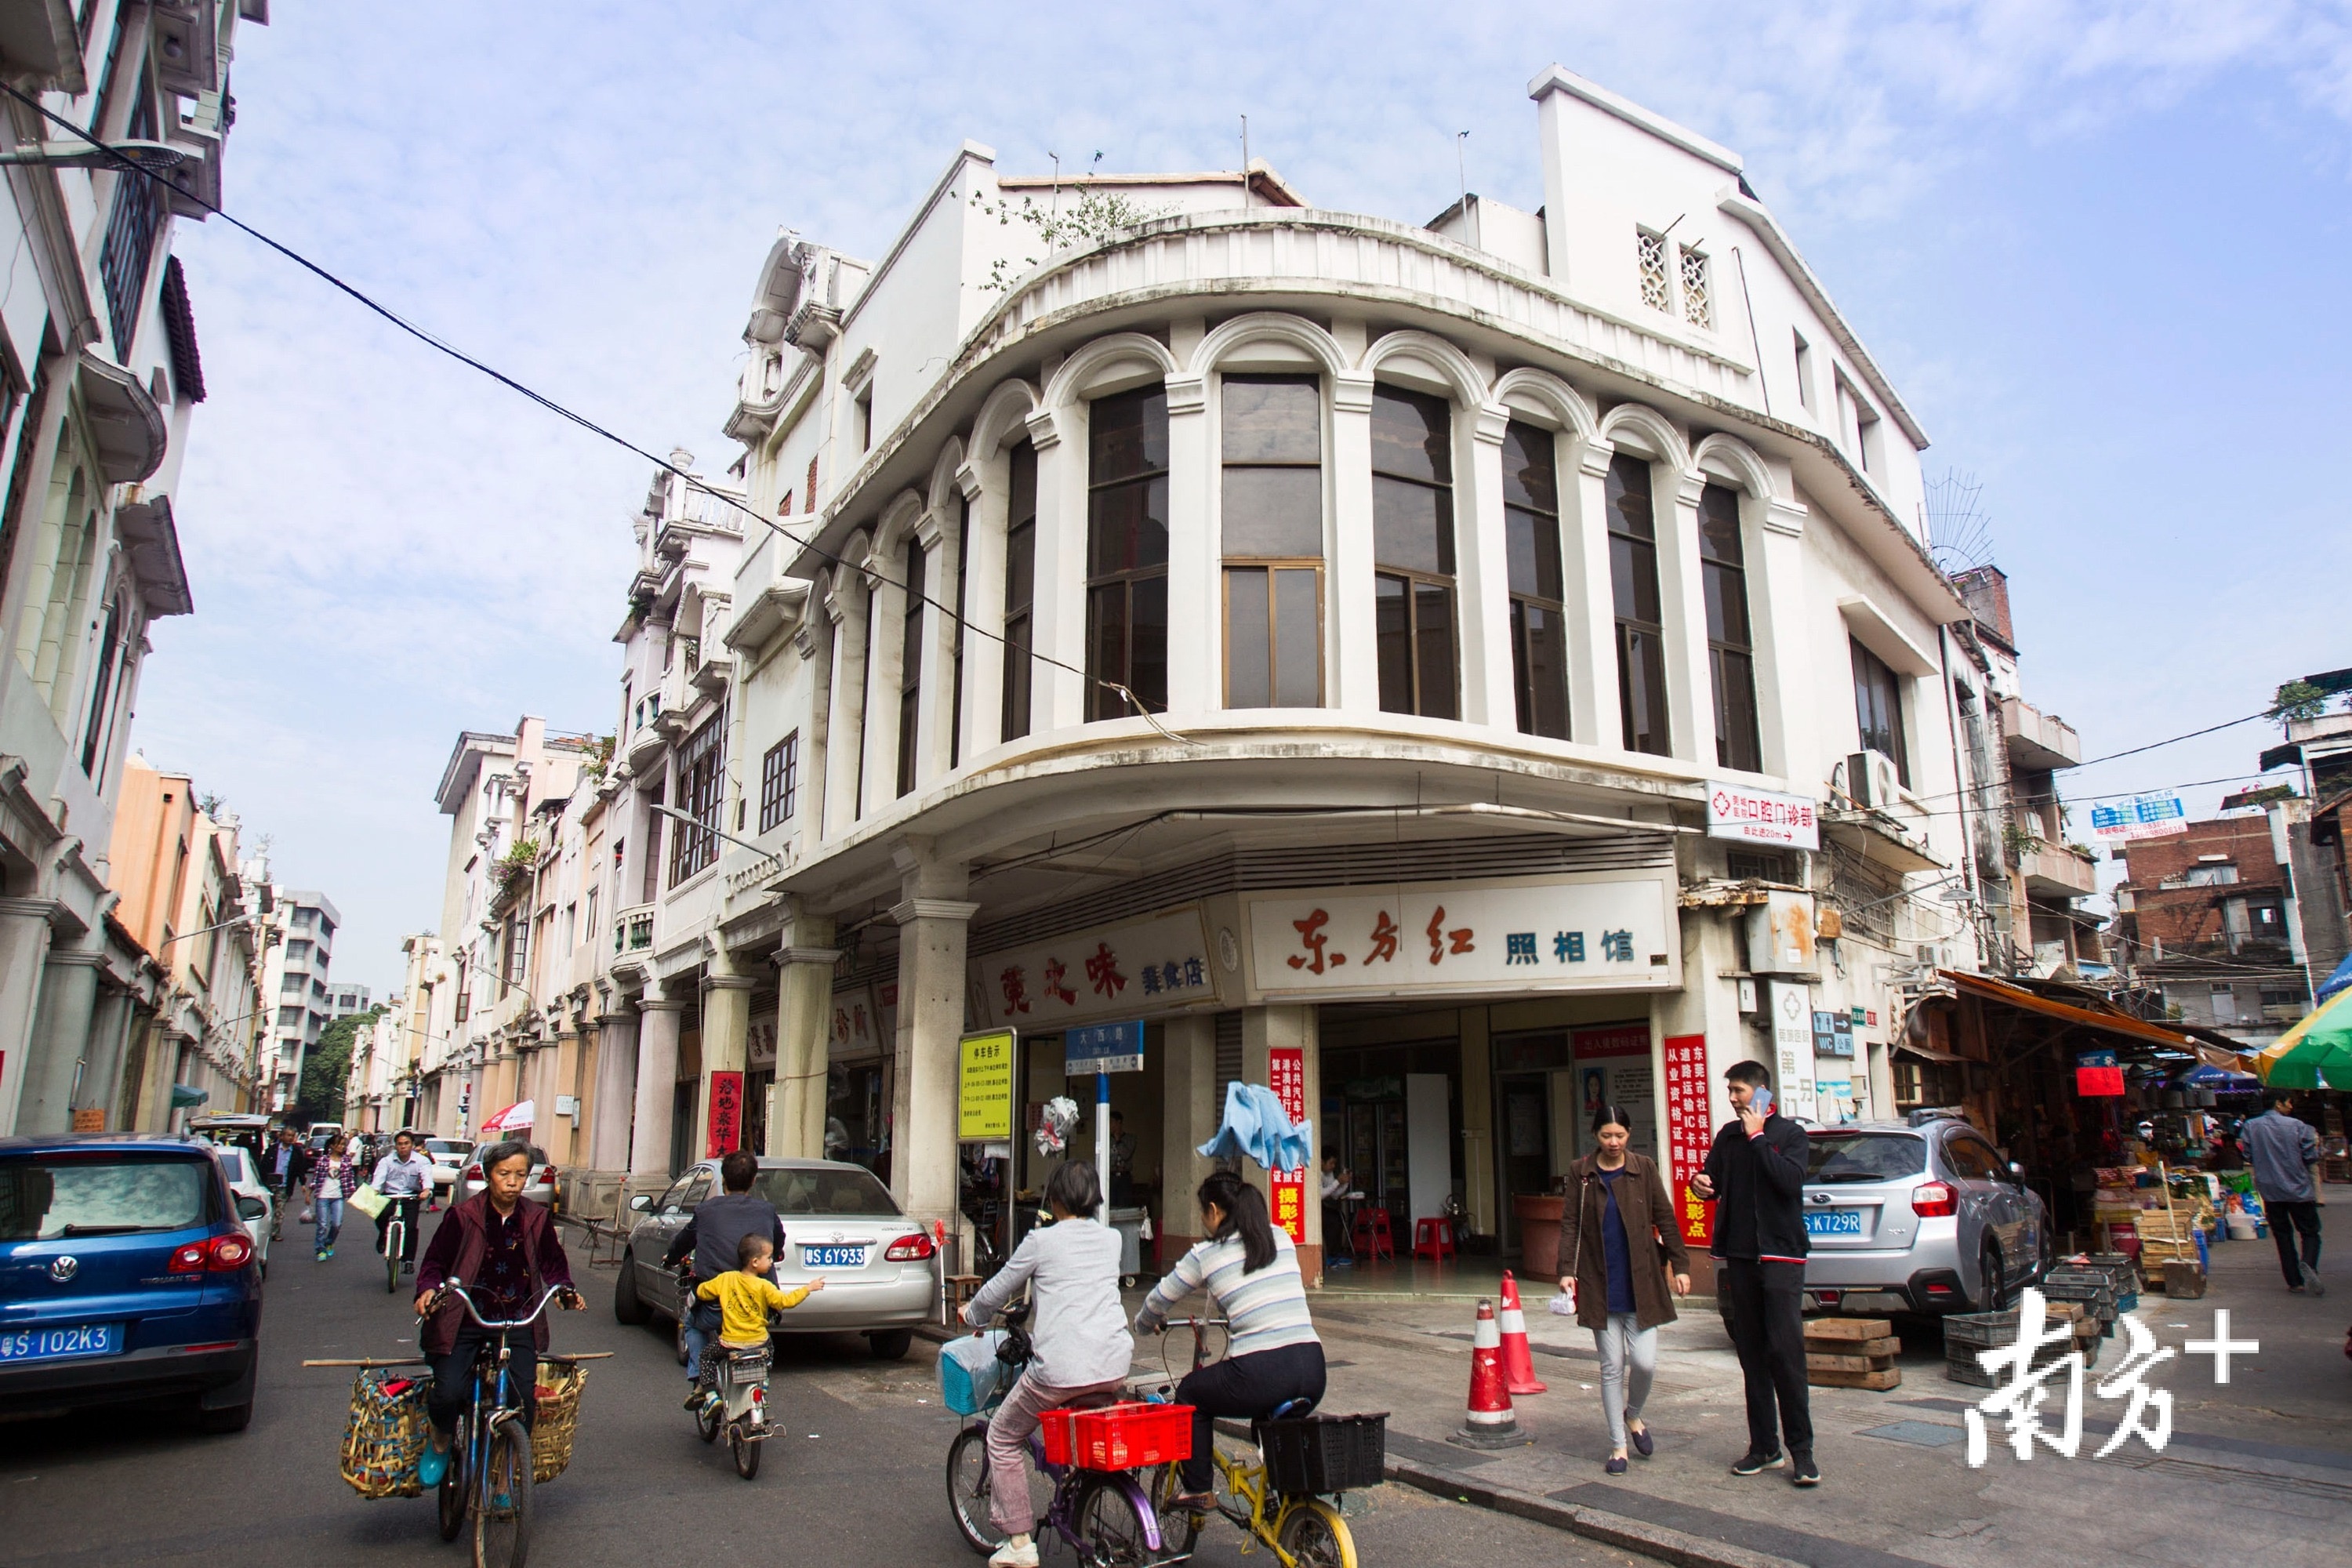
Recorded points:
1118,1437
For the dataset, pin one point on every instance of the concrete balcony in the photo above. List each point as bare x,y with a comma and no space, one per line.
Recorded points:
2037,740
2058,872
633,931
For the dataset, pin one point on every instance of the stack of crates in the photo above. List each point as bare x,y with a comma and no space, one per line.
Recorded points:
2122,1270
1966,1333
2093,1288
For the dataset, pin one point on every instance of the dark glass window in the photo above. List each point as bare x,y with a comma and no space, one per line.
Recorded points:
1730,642
1633,582
130,238
1271,429
1020,588
701,781
955,711
779,782
910,663
1531,548
1878,710
1127,552
1412,553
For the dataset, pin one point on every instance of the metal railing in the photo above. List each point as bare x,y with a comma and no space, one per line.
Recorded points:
633,930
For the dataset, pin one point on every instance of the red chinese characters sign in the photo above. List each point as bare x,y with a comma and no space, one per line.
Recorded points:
1286,1071
1116,970
726,1115
1689,1132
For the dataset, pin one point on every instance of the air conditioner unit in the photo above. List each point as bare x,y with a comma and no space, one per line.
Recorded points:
1935,955
1871,780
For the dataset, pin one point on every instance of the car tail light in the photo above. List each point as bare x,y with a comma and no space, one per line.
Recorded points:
220,1255
908,1249
1830,1297
473,1173
1930,1200
547,1174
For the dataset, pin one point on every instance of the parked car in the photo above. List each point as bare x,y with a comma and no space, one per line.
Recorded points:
250,1132
245,1181
880,1271
1920,1215
127,1274
539,1187
448,1157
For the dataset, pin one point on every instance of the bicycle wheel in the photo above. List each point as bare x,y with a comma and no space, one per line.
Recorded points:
1313,1532
452,1493
502,1515
1110,1526
968,1489
746,1450
393,1240
1179,1528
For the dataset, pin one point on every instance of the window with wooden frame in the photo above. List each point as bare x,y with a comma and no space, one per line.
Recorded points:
1878,710
910,662
1271,514
1730,638
1020,588
1127,552
1412,553
1531,552
779,782
1633,585
955,699
701,780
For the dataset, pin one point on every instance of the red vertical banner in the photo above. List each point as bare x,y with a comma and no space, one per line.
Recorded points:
726,1115
1285,1072
1689,1132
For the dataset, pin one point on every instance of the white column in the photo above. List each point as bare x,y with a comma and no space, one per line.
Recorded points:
932,926
1482,570
726,1039
1352,647
803,1044
1682,601
984,485
1594,715
616,1089
935,707
60,1035
886,623
1196,621
1059,620
1188,1119
23,950
657,1034
1776,605
101,1089
1265,1030
844,709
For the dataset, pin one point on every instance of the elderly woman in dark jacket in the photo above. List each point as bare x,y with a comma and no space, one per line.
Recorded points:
1621,1242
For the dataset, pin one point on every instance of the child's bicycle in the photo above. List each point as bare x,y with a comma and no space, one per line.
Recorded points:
1304,1531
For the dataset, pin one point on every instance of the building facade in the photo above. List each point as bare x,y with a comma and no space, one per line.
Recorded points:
294,987
2207,915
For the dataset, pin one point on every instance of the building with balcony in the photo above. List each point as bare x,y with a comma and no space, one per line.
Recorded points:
2203,916
2319,748
100,377
295,989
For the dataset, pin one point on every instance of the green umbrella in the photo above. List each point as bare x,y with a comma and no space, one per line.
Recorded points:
2316,1053
184,1095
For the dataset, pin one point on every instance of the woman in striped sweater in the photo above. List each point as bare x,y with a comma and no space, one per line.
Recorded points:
1249,1271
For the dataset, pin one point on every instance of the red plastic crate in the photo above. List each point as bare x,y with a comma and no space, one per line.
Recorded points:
1118,1437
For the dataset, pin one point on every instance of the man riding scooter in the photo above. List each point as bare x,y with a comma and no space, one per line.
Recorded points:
712,1236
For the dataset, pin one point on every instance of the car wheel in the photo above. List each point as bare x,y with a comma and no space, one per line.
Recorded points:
628,1307
231,1418
1994,1284
891,1344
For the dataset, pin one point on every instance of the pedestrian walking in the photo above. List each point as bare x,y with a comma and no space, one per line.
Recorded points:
2284,1151
1625,1251
335,1177
1756,1174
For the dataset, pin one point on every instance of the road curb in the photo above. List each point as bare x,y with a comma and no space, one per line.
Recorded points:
1676,1546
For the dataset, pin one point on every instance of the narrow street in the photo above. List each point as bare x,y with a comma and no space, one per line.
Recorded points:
855,1478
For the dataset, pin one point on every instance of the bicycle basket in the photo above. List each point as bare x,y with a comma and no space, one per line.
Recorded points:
1118,1437
1320,1455
971,1377
560,1383
384,1436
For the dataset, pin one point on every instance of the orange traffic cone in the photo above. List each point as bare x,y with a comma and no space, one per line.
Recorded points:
1518,1363
1489,1422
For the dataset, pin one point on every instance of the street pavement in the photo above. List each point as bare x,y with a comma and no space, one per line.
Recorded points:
855,1478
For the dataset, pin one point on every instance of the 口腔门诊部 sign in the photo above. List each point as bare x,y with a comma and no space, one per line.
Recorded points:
1762,816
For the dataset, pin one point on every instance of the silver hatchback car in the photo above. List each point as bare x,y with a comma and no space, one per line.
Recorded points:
880,1271
1918,1217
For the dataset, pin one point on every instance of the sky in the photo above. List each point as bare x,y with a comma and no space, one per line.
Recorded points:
2097,246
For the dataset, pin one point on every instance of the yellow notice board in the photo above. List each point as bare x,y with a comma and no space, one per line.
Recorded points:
984,1086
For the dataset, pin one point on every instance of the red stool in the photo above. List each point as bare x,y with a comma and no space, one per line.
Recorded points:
1434,1237
1372,1236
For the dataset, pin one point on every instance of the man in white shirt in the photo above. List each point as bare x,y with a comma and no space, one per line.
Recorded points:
405,1176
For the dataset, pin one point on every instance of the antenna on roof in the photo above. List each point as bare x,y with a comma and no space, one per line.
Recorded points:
1959,530
1056,204
1245,174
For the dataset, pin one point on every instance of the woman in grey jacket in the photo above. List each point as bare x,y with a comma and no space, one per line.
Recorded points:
1078,1335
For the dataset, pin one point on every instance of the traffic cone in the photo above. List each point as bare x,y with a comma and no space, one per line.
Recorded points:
1489,1421
1518,1363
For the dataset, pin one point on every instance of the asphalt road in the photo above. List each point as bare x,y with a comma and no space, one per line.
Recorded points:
855,1478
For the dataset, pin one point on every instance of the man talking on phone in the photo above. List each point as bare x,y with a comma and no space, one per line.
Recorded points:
1756,1174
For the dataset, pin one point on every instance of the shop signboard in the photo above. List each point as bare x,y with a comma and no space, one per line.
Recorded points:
857,1024
1833,1064
1599,930
1612,1067
726,1133
1103,1048
1762,816
2142,816
1689,1132
1285,1068
1792,1049
2098,1073
1106,971
984,1087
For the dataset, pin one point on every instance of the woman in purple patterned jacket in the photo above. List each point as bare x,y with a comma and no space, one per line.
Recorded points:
335,1177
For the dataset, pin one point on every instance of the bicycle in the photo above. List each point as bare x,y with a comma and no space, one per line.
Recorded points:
395,1242
490,1474
1302,1531
1105,1516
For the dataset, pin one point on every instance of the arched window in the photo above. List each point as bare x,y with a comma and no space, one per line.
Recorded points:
1634,580
1531,546
1126,551
1412,553
1730,641
1020,588
1271,430
910,662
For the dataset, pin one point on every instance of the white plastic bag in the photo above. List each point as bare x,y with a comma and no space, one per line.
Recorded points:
1564,1304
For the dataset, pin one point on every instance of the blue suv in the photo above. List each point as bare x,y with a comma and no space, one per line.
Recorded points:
125,1275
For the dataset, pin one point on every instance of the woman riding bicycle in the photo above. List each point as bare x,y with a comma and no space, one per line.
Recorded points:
503,1249
1078,1335
1249,1271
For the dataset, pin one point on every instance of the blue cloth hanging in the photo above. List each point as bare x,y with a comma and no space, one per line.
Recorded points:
1256,1127
2335,982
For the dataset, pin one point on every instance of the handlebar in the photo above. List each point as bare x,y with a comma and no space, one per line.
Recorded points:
1196,1324
479,1321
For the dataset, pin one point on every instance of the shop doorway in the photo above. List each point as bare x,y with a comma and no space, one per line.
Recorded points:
1371,1093
1525,1143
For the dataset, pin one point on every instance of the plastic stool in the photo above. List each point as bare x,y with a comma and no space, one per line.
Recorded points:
1434,1237
1372,1236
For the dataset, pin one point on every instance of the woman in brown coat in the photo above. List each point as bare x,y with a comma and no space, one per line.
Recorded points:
1621,1242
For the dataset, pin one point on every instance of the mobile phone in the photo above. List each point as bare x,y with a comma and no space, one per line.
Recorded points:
1760,1102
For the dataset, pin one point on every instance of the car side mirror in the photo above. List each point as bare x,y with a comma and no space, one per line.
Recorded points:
641,1202
251,1209
2017,1171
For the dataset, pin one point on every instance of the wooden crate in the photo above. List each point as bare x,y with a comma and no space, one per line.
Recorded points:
1846,1328
1817,1359
1851,1353
1879,1380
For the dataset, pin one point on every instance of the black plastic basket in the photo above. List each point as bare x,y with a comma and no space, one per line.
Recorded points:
1325,1454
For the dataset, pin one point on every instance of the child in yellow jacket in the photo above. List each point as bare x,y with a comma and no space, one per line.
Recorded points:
747,1296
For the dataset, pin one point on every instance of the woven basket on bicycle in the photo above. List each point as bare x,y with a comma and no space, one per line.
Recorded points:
384,1436
559,1416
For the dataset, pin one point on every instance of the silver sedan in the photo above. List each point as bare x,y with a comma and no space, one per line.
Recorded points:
841,1224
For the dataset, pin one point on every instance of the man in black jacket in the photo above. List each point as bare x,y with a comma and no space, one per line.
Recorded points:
1755,1173
719,1224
